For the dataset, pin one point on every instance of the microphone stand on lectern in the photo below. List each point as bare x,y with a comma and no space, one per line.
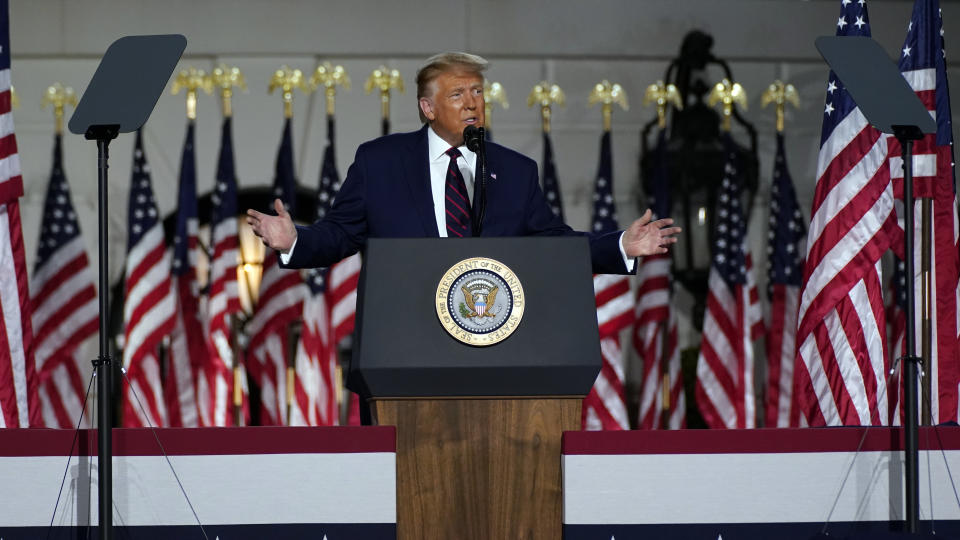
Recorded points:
119,99
890,105
474,139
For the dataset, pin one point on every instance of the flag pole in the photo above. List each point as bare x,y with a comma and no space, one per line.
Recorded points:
771,395
727,94
926,309
608,399
287,80
226,78
663,95
906,135
330,76
385,80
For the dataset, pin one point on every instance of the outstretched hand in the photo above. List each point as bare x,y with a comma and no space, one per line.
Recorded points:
277,232
645,237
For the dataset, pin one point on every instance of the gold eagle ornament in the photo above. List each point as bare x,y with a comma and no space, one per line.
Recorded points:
471,302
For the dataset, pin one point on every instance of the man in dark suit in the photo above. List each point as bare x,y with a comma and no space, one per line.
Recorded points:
420,184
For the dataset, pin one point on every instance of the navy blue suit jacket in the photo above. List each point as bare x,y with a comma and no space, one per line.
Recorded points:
387,194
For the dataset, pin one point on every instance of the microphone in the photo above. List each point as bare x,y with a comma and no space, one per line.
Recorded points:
472,137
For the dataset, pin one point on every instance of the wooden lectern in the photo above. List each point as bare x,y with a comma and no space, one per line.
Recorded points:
478,427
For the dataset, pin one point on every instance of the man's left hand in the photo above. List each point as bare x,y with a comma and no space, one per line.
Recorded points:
646,237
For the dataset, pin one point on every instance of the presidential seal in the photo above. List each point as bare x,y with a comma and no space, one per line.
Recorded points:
480,301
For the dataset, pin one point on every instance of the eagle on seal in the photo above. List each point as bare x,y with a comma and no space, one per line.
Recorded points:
472,301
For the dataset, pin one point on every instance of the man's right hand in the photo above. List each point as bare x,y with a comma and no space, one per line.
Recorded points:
277,232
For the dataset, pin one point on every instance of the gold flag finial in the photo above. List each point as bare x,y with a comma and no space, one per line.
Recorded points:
607,94
287,80
226,78
385,80
781,94
663,95
191,80
546,95
59,96
330,77
727,93
493,92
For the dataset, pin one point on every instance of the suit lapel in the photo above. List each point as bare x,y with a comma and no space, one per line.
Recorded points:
416,168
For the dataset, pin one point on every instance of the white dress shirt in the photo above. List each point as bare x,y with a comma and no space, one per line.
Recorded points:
438,158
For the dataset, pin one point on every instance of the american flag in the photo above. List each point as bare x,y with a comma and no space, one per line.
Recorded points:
280,305
149,307
841,334
784,271
725,390
344,277
923,64
18,392
655,331
215,380
551,183
316,361
66,311
605,406
187,344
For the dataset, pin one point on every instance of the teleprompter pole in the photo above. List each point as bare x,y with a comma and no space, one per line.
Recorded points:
906,135
119,98
103,364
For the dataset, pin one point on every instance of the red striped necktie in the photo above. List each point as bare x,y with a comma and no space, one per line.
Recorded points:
458,204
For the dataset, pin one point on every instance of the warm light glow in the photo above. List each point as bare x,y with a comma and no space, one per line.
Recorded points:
250,269
252,249
248,277
701,216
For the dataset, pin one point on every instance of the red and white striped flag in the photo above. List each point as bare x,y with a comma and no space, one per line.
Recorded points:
605,407
19,406
215,381
341,285
733,319
149,303
784,271
188,349
343,280
923,66
66,312
316,360
344,276
842,360
655,331
280,305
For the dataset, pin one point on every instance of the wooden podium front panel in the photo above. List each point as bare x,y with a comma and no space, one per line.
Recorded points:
479,468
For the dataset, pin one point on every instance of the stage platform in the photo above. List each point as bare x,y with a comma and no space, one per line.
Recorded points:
340,483
756,484
244,483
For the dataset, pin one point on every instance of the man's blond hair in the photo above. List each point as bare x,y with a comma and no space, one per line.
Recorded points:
443,63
